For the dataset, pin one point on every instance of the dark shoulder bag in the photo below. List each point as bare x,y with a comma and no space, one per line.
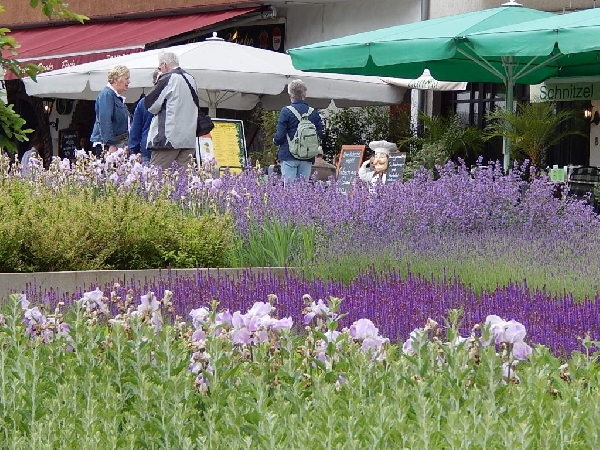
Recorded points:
204,125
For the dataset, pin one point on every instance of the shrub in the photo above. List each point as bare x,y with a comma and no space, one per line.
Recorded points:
44,230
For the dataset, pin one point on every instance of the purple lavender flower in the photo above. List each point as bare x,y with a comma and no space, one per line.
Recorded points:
34,315
521,350
79,153
64,164
373,344
259,309
277,324
332,336
365,332
415,335
223,318
197,362
240,333
198,335
24,302
241,336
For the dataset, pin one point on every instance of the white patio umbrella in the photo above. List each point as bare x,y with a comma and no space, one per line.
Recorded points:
427,82
228,75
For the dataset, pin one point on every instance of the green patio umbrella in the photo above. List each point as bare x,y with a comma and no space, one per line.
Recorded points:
565,45
439,45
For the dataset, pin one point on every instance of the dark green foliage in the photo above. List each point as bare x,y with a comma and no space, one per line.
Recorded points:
268,124
357,126
42,230
443,138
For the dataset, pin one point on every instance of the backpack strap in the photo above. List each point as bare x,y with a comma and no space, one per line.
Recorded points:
295,112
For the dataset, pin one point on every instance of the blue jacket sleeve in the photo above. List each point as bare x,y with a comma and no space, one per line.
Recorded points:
280,137
137,125
105,107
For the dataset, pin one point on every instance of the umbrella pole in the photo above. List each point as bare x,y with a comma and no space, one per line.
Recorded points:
510,86
212,101
510,91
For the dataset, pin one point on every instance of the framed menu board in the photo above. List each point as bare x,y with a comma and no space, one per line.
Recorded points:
351,157
226,143
395,167
68,140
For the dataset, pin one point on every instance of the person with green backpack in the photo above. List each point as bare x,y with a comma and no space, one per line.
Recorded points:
299,132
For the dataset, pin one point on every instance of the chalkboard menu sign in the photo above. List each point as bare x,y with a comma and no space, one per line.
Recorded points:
348,165
395,167
68,140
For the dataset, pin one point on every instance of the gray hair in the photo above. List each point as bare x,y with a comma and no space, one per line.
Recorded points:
297,89
168,58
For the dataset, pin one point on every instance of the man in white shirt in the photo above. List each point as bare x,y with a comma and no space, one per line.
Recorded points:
36,146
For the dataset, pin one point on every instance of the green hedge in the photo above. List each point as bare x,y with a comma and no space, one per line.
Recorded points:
42,230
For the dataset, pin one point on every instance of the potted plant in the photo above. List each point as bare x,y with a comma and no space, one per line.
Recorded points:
532,129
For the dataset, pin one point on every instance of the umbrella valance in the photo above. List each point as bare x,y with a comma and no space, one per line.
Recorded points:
58,46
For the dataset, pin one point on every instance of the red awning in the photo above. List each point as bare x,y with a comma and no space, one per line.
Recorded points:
55,47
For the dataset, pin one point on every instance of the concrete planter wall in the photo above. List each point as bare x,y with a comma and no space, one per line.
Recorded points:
89,280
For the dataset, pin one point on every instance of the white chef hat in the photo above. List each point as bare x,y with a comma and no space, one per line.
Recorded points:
383,147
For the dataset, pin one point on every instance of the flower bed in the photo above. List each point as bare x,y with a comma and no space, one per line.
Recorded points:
437,313
233,378
393,302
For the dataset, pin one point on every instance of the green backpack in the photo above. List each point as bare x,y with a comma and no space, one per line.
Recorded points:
305,143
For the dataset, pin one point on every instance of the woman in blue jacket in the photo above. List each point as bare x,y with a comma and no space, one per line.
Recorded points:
111,127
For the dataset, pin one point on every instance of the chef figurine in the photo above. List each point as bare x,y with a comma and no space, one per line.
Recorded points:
378,162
